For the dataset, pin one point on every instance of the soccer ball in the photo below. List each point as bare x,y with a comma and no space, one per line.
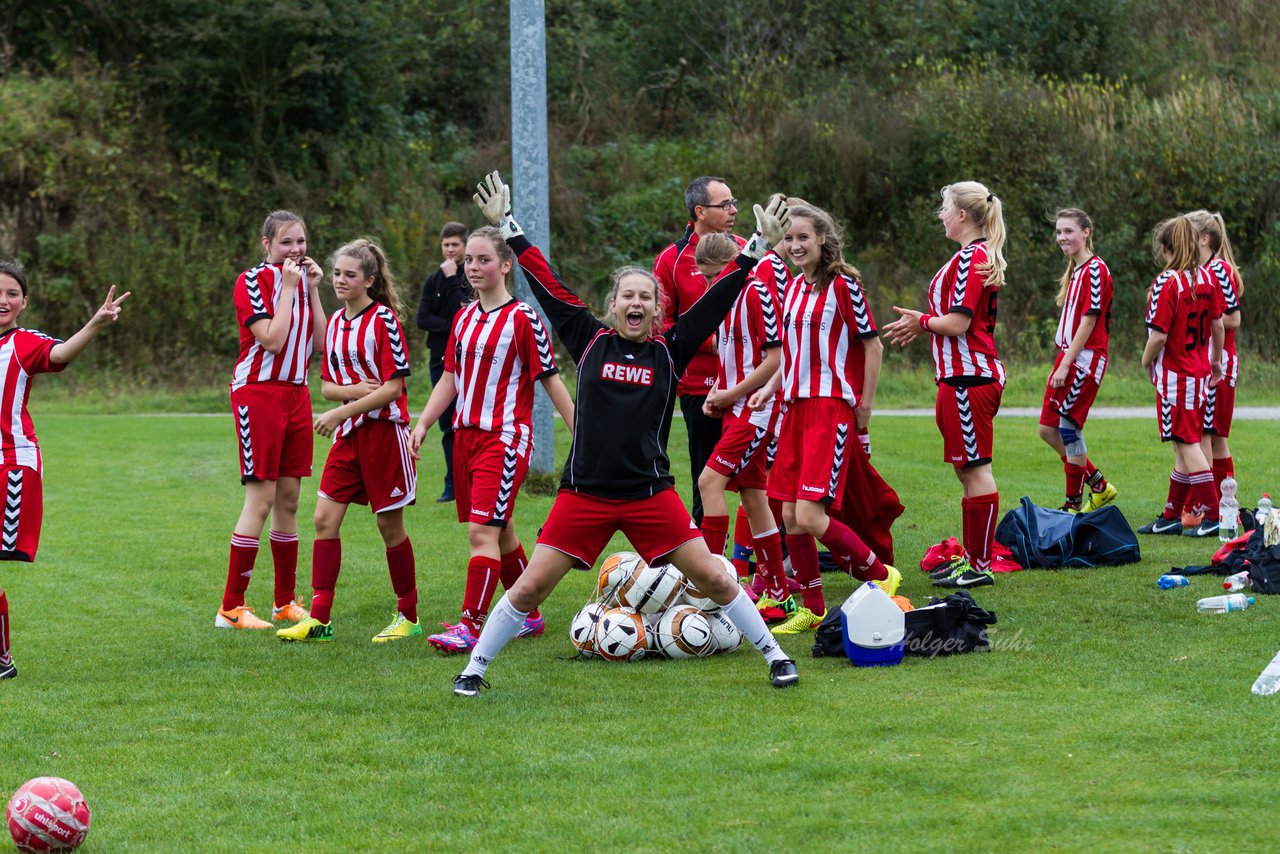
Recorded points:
616,569
620,635
725,636
650,589
693,596
48,814
683,632
582,631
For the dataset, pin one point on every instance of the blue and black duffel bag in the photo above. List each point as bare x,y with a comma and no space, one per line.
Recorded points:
1043,538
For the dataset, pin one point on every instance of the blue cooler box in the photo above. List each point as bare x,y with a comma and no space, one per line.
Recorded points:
874,628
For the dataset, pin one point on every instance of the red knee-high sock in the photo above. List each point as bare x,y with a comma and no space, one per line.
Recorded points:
1223,468
244,551
743,543
1093,476
513,564
964,522
284,559
1200,495
404,579
715,530
769,565
326,563
980,529
1075,483
5,657
804,560
483,574
1179,486
851,553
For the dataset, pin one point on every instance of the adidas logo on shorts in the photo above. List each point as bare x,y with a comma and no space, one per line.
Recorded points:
397,492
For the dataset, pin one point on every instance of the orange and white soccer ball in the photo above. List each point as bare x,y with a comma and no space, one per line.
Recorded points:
684,632
47,814
695,597
621,635
582,631
651,589
616,569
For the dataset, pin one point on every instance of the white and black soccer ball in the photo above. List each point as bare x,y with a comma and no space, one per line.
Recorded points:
683,632
616,569
621,635
651,589
582,631
725,636
695,597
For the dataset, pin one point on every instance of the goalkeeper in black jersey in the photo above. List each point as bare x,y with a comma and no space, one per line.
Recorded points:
617,476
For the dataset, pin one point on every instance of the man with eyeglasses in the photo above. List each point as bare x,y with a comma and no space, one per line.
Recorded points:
712,208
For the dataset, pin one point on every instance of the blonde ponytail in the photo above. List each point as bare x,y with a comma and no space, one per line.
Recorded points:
987,213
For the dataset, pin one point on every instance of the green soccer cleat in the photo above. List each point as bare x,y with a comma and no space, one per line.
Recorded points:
400,629
309,629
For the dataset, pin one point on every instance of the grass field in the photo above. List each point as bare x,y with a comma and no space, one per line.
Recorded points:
1110,715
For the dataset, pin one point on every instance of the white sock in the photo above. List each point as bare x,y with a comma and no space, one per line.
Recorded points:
503,624
743,614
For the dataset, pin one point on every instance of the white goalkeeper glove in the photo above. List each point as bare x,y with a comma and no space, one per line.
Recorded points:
493,197
772,223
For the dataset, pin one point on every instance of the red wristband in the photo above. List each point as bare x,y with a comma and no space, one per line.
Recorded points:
924,322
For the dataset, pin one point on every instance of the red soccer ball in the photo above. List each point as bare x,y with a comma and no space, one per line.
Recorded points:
48,814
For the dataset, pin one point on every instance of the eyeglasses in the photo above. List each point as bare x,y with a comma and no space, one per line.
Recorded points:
725,205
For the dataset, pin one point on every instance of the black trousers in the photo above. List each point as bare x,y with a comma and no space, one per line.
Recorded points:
446,424
704,433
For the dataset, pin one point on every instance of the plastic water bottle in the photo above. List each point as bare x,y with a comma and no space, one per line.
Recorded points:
1223,604
1269,681
1236,583
1264,509
1168,582
1228,511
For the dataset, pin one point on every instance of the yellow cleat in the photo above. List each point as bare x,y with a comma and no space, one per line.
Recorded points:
803,620
239,618
400,629
1098,500
890,583
309,629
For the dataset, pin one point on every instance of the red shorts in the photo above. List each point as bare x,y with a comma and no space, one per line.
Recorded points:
581,525
371,465
1180,423
811,464
23,513
273,427
966,419
743,450
1073,400
487,476
1219,407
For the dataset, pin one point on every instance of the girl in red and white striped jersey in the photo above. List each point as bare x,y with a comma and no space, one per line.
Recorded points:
364,366
1083,329
497,350
831,356
749,343
23,354
1183,356
280,317
1220,402
961,323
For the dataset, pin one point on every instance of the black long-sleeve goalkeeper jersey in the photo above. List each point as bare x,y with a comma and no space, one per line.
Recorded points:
626,389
